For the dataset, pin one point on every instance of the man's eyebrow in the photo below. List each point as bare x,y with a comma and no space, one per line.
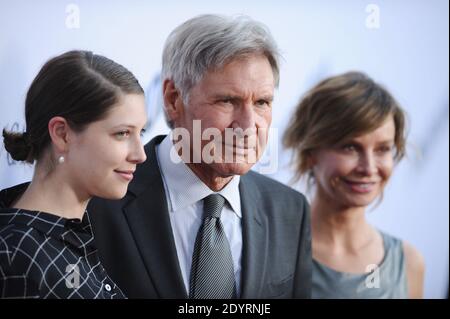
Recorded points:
236,97
267,97
226,97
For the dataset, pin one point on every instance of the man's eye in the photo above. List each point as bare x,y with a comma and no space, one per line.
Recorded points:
262,103
226,101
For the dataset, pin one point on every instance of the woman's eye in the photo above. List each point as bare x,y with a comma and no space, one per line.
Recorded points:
385,149
349,148
122,134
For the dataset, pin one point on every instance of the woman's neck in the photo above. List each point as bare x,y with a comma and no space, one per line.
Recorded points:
53,193
339,228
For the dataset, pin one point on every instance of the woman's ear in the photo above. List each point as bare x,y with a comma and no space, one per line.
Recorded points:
59,130
173,102
311,159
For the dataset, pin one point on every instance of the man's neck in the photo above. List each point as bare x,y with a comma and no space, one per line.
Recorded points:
212,180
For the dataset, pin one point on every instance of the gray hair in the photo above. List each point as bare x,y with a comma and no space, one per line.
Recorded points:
208,42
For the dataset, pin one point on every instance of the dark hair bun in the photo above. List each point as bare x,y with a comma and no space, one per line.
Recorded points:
18,146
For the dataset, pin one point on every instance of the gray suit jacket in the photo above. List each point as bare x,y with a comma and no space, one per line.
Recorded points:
137,247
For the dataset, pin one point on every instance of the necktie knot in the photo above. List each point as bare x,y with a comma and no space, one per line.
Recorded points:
213,205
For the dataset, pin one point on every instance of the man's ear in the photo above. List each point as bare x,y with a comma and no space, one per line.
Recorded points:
173,102
59,132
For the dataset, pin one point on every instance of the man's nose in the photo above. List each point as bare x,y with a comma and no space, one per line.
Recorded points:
245,117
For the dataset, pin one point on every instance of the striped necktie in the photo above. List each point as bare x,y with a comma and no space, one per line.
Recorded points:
212,273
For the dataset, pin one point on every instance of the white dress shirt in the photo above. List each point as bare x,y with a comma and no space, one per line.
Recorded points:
185,193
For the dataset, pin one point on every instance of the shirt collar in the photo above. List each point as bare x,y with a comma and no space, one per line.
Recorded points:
74,231
184,187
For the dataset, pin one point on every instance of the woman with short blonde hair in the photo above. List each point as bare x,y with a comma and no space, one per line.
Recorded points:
346,135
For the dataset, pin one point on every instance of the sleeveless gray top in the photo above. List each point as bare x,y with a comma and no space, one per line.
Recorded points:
388,280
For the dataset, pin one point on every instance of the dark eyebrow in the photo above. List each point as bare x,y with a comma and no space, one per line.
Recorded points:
129,126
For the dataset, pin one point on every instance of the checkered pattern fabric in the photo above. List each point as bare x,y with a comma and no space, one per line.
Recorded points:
46,256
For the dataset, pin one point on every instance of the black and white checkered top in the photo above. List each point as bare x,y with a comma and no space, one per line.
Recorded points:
46,256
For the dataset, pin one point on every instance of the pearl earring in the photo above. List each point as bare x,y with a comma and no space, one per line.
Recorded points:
61,159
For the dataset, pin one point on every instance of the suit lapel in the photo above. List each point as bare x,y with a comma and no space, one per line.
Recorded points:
149,222
254,239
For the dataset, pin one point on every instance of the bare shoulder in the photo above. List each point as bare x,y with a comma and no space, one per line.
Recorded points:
415,270
414,259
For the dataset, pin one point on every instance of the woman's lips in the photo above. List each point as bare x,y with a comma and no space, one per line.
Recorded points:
361,187
127,175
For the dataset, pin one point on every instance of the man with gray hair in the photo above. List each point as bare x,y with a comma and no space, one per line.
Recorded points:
196,222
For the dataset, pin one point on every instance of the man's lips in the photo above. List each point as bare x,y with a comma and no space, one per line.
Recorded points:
126,174
240,147
239,151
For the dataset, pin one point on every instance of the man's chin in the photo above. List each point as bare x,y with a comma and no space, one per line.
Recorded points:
230,169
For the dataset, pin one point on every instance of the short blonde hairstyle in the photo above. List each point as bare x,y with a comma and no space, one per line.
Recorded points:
337,109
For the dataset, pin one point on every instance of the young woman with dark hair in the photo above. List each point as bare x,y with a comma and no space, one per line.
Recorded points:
84,116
